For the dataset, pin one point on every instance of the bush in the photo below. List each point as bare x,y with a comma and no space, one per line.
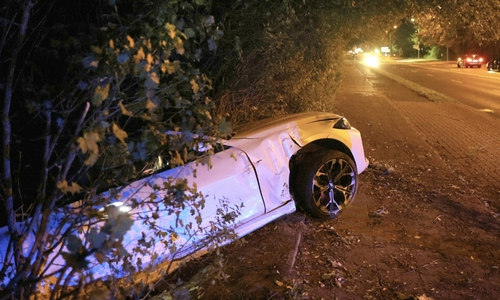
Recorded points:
96,91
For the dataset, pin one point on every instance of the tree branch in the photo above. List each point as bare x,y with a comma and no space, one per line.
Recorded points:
7,196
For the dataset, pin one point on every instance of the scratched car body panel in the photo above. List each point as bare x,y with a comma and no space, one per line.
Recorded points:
266,169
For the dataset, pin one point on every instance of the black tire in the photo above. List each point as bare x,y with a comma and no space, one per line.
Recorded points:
479,66
321,176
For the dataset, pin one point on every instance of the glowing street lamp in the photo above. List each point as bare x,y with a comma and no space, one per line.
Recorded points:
390,40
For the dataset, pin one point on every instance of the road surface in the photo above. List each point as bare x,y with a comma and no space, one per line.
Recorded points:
461,130
475,87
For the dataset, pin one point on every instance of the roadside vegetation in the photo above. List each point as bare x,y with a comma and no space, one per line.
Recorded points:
93,92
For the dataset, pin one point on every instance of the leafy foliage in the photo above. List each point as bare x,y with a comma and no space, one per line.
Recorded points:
462,26
127,91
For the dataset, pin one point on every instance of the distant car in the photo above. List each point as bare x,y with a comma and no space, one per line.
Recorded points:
493,64
266,169
470,60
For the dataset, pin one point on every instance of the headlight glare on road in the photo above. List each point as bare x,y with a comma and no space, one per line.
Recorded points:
371,60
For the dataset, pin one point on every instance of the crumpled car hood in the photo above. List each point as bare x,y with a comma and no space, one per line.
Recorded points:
257,128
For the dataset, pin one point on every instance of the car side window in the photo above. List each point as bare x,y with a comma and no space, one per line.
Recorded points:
164,162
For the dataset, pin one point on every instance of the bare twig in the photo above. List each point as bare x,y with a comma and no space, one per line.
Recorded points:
292,256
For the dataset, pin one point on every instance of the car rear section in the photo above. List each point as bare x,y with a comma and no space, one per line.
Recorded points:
471,60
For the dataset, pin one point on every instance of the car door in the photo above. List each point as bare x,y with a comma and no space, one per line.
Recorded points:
229,186
270,155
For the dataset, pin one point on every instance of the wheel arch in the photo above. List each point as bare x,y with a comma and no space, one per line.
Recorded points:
311,148
318,145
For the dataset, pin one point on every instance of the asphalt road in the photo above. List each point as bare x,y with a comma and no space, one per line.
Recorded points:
443,148
464,137
475,87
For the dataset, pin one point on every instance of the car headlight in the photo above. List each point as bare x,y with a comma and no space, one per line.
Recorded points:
371,60
342,123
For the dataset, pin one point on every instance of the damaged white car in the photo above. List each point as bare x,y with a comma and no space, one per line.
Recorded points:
264,171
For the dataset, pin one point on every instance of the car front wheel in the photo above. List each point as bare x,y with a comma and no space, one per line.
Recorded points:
326,183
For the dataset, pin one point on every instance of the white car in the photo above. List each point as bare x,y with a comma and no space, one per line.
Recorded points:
258,175
265,170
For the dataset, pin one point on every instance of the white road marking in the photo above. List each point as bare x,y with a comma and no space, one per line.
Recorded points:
430,75
456,81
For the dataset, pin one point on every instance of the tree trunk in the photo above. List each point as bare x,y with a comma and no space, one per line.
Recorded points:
6,192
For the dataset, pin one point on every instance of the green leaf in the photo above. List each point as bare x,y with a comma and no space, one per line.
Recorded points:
90,62
100,94
152,81
100,257
124,223
225,128
65,187
190,33
75,261
96,239
212,45
96,49
209,21
119,133
74,244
